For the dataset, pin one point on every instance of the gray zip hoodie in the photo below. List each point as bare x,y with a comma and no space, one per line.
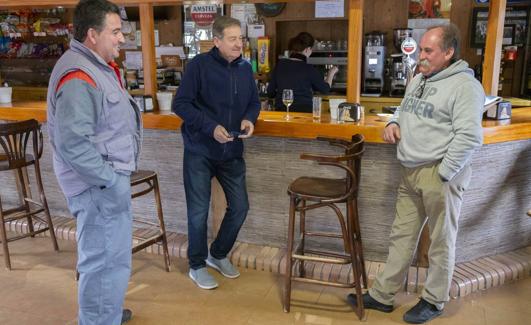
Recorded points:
445,123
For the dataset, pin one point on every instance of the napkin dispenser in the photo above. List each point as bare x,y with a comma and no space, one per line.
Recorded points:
501,111
350,112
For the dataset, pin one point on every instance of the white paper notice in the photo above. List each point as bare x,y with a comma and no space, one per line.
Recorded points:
242,12
329,8
255,31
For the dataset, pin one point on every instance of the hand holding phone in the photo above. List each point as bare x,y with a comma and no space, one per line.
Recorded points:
235,134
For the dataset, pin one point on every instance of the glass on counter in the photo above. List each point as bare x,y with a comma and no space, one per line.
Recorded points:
287,99
316,108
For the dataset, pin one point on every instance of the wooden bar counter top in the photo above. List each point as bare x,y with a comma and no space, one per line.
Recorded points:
300,125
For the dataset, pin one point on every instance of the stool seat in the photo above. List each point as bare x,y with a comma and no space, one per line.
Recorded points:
141,176
317,188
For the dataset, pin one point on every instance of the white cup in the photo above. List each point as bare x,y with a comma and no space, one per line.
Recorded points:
164,100
5,95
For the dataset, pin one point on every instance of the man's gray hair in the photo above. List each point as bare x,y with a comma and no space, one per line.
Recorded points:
223,22
450,39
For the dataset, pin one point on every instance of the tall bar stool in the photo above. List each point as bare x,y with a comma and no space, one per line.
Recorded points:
308,193
14,139
150,179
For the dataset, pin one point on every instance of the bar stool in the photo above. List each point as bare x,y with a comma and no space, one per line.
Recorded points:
308,193
14,139
150,179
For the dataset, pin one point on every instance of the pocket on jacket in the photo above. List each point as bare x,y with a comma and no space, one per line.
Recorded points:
120,152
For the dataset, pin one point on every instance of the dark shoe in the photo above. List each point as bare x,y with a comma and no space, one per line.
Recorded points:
369,303
127,314
422,312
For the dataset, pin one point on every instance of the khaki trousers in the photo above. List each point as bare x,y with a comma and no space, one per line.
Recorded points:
422,194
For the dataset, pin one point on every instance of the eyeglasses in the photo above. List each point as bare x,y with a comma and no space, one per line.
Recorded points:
420,89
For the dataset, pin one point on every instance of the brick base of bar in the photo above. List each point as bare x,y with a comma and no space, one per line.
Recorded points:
469,277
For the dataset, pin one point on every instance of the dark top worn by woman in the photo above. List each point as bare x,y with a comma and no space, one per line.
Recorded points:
299,76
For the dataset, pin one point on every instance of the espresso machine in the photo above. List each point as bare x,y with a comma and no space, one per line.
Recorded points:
374,64
397,65
324,57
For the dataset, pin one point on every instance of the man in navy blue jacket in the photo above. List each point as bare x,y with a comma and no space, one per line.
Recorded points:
218,102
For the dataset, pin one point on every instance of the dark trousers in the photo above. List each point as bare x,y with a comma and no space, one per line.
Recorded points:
198,171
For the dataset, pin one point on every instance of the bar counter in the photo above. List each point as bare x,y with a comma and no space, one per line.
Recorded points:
301,125
493,218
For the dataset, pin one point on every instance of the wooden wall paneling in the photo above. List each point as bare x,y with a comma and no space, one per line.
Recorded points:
147,26
355,43
491,63
171,29
461,16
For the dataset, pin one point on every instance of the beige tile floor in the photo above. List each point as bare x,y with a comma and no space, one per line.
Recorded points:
41,290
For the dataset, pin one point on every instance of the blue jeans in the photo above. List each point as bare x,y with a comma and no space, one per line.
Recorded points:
198,171
103,234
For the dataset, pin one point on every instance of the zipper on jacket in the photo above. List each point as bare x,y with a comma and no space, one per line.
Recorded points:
230,110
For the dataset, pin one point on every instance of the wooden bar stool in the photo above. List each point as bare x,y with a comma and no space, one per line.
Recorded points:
150,179
308,193
14,139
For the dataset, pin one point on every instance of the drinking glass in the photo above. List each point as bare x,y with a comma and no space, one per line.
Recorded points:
287,99
316,108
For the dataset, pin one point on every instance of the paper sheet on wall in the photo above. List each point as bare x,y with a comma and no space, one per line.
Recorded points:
241,12
329,8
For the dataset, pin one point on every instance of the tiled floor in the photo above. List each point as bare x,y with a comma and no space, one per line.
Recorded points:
41,290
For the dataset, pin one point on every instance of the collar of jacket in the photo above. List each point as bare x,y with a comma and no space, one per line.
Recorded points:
298,56
214,52
79,47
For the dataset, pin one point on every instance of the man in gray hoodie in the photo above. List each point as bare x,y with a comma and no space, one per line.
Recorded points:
437,128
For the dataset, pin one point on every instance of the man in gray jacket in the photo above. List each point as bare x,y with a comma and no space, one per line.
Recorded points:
95,132
437,127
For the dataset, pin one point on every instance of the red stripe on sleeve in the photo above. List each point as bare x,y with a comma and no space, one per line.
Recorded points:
78,74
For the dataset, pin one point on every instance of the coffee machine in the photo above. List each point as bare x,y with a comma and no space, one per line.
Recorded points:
325,59
374,64
397,65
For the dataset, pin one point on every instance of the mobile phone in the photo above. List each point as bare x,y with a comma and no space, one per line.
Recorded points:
235,134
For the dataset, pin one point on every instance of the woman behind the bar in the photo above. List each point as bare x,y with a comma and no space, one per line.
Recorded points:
294,73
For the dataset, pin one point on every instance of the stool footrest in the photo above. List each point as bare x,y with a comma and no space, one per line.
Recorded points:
333,260
321,282
146,222
323,234
15,215
147,242
28,234
33,201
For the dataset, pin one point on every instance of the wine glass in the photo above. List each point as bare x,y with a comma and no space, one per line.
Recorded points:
287,99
